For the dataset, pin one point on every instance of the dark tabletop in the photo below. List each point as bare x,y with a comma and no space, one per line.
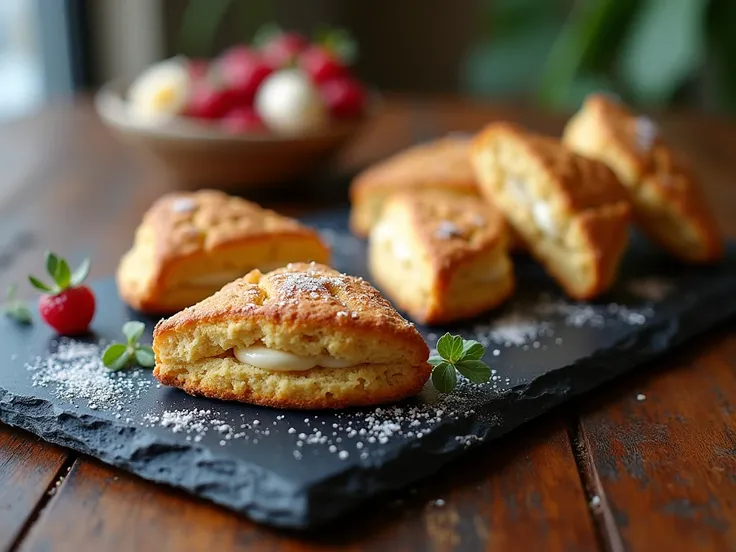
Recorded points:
608,472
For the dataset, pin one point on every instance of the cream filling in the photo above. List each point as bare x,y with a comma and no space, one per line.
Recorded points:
282,361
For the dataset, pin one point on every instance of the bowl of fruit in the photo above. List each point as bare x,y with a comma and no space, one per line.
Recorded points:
257,114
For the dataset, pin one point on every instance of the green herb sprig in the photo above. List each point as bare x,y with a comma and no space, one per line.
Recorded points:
455,354
15,308
124,355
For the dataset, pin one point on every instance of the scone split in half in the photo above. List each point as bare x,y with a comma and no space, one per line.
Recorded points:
441,257
303,336
667,201
191,244
571,211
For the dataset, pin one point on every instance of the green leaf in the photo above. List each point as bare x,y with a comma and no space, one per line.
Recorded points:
38,284
81,273
434,360
63,275
19,312
444,346
664,47
509,65
133,331
472,350
51,263
116,356
145,357
444,377
475,370
339,42
456,352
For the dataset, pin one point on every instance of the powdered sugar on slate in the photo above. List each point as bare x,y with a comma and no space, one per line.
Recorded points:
76,374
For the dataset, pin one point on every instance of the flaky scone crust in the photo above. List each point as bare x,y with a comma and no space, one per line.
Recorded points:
441,164
209,222
607,130
306,309
589,193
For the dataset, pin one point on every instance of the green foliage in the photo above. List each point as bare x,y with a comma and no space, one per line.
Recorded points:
646,51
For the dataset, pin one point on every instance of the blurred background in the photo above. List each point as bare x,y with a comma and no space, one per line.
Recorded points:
653,53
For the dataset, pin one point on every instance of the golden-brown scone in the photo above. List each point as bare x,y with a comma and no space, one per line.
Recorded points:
322,339
442,164
441,257
191,244
571,211
667,201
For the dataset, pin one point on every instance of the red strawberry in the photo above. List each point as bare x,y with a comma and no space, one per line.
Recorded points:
198,68
67,305
242,70
207,101
321,65
344,97
283,49
241,120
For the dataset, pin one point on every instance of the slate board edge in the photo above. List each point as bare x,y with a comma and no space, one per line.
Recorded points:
300,509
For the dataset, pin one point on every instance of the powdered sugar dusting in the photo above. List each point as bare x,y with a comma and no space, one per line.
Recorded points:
76,374
447,230
646,133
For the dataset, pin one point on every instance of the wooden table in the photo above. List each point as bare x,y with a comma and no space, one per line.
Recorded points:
607,472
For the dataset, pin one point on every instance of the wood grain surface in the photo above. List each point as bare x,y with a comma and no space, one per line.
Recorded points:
28,469
609,472
491,500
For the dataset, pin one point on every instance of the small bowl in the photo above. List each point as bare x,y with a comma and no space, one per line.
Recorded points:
198,154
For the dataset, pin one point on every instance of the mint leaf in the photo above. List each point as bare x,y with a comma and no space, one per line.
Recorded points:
63,275
19,312
456,352
475,370
144,356
38,284
133,331
81,273
434,360
472,350
444,377
116,356
444,346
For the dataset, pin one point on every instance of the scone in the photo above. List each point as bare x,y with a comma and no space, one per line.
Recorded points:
571,211
667,201
303,336
442,164
191,244
441,257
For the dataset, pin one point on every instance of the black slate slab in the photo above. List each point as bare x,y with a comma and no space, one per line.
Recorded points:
301,469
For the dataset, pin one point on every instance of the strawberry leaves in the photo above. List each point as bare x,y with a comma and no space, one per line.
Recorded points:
455,354
124,355
62,276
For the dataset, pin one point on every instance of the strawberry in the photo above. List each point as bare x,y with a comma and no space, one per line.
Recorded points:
242,119
67,305
242,71
283,48
321,65
344,97
207,101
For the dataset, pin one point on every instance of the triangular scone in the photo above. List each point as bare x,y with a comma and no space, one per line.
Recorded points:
441,257
667,201
442,164
303,336
191,244
571,211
